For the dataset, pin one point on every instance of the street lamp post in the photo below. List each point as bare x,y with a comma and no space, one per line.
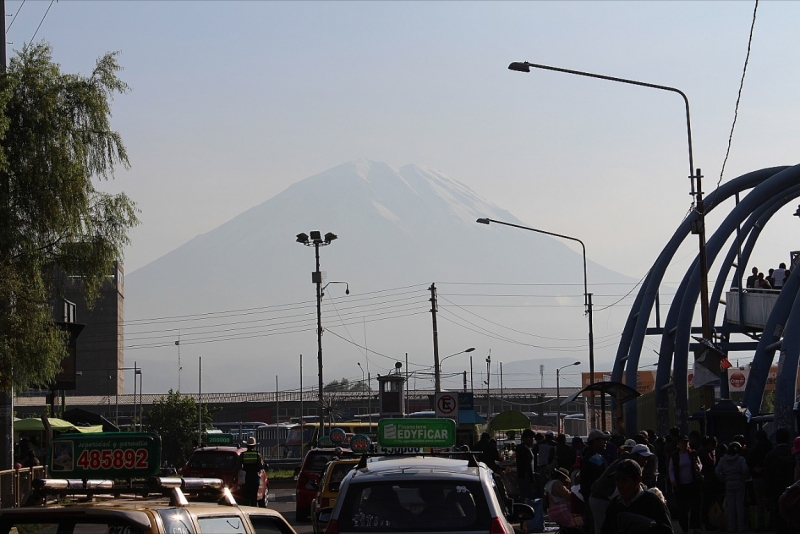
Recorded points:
438,369
586,295
696,189
488,397
558,393
316,240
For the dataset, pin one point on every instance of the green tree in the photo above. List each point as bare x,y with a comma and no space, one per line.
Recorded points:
174,418
55,139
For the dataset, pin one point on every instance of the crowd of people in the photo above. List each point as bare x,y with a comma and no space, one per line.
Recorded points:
773,279
608,484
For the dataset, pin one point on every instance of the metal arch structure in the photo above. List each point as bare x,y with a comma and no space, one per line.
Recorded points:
769,190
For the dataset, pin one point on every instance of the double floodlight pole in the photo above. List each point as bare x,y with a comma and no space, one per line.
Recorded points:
316,240
586,295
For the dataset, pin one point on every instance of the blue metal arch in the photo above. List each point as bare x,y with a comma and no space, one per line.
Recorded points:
633,334
777,190
774,193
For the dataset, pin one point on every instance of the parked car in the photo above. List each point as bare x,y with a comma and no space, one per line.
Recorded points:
421,494
163,508
309,476
224,463
328,489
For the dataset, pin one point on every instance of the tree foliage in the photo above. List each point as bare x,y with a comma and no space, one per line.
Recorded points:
55,139
174,418
344,385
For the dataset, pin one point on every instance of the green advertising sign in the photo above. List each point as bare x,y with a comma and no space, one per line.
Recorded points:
105,455
416,432
219,439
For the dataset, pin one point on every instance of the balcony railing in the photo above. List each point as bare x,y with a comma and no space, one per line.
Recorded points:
755,304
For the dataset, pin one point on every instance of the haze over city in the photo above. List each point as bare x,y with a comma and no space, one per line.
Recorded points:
233,102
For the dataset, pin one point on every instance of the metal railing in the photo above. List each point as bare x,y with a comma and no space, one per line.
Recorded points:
15,485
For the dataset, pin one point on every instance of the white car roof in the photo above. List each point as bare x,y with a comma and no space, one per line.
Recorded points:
389,465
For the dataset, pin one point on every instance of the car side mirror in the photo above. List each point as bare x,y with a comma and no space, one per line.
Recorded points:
324,515
311,485
522,512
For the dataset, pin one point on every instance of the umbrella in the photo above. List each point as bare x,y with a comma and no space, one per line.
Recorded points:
35,424
619,391
510,420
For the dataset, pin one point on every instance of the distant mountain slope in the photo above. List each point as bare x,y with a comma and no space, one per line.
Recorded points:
404,228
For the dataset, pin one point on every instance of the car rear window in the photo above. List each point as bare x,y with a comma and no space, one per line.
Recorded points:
213,460
339,471
414,506
316,461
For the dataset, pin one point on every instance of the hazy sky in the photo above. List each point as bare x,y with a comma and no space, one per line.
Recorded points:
232,102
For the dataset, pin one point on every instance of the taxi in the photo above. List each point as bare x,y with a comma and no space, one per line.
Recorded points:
167,505
107,483
328,490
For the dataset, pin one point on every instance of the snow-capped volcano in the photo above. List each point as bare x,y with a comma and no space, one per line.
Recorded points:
241,296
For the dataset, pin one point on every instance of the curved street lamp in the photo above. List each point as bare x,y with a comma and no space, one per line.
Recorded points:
438,369
558,394
586,295
316,240
696,190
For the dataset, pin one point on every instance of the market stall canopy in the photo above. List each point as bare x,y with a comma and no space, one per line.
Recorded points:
619,391
35,424
510,420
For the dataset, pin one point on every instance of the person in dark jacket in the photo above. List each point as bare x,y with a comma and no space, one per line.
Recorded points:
593,465
634,502
712,488
524,458
564,453
778,475
755,462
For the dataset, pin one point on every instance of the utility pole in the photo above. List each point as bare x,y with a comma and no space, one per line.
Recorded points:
199,400
436,369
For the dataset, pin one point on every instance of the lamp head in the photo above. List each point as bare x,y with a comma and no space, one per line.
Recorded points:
330,236
483,220
302,238
519,66
470,349
576,363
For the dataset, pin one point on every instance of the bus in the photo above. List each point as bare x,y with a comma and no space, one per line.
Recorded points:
240,430
271,439
304,437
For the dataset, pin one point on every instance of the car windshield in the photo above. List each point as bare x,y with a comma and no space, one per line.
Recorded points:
414,506
213,460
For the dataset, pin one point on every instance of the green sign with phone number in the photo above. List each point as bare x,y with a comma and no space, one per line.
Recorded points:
105,455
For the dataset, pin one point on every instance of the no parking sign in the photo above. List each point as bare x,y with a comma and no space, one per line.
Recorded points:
447,405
